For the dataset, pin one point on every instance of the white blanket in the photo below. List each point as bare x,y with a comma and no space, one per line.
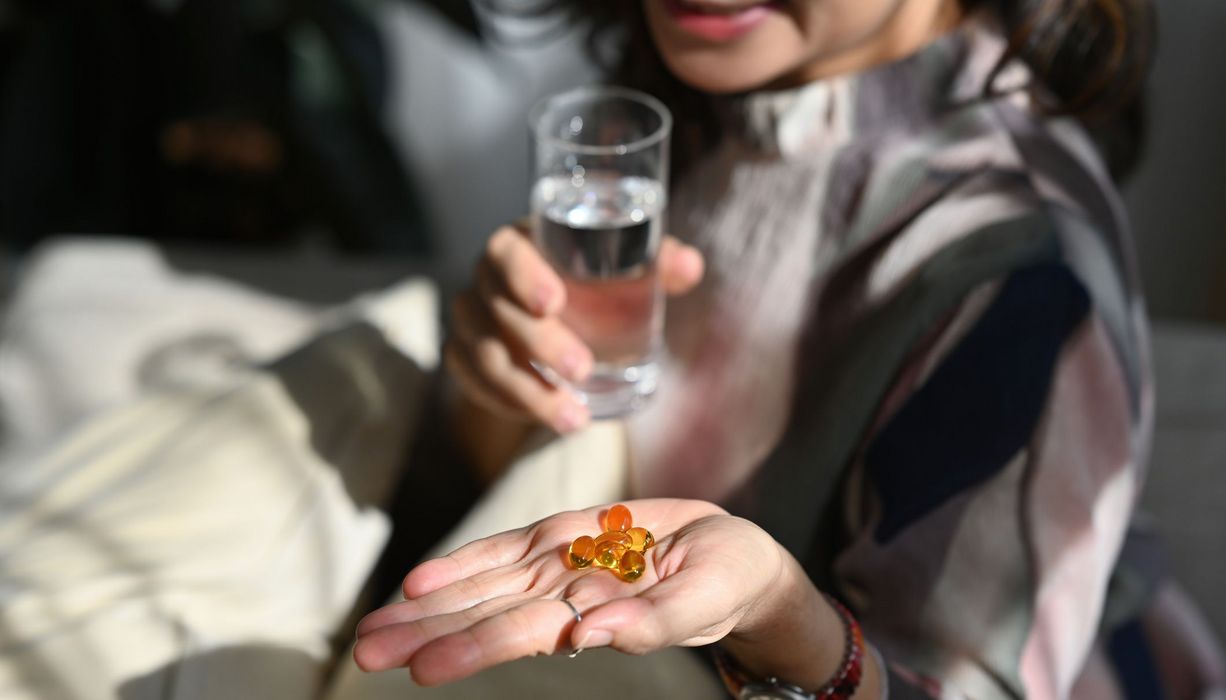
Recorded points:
204,531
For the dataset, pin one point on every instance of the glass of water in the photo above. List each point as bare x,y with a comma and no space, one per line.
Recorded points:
601,159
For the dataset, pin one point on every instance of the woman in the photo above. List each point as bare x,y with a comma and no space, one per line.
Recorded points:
915,367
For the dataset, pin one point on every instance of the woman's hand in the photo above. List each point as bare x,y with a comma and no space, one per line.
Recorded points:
499,599
509,318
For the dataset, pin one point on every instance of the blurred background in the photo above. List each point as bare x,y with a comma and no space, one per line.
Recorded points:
308,150
363,128
396,128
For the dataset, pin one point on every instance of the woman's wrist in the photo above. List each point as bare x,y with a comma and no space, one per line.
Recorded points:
794,634
487,440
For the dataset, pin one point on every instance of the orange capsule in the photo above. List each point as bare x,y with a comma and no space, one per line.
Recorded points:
618,518
582,551
608,553
632,565
621,538
640,539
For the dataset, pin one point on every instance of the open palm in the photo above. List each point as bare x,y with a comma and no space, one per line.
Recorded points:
499,599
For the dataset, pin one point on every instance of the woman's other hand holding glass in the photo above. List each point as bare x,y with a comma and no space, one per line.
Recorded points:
509,319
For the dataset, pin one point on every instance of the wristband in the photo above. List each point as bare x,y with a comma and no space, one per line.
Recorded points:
841,686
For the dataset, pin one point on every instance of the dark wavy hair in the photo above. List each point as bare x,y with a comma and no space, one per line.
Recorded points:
1090,58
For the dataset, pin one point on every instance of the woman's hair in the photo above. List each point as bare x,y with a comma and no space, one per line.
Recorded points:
1090,58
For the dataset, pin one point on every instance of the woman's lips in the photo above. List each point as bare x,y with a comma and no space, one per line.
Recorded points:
718,21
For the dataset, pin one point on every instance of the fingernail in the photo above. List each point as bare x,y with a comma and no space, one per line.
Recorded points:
571,419
574,366
595,638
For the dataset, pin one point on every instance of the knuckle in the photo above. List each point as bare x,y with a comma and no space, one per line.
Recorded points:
502,309
469,593
487,608
490,549
530,266
499,243
518,620
532,341
491,354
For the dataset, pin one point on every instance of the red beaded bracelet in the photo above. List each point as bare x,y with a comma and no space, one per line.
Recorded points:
841,686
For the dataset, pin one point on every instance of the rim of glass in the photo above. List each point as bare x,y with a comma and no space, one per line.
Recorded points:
576,94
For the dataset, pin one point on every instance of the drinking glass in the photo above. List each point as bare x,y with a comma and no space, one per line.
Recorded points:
601,168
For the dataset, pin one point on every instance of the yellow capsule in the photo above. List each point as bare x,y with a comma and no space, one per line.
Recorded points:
609,553
581,552
618,518
632,565
640,539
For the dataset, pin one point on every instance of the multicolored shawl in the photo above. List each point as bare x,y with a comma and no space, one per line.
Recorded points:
968,403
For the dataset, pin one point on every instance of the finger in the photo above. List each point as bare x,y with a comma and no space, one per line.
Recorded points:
476,590
407,611
546,340
550,405
458,365
663,615
393,614
535,552
528,278
473,558
681,266
386,642
469,322
432,608
541,626
468,325
488,367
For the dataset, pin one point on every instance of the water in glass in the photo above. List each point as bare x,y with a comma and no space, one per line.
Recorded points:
601,232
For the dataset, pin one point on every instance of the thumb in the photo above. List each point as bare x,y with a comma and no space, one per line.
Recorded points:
681,266
626,624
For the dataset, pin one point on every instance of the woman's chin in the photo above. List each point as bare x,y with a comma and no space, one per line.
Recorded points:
719,77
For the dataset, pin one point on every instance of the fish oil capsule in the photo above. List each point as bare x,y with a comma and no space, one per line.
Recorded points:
609,553
631,566
621,538
582,551
618,518
640,539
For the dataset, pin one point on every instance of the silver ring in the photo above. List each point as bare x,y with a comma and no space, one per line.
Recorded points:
578,619
573,609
